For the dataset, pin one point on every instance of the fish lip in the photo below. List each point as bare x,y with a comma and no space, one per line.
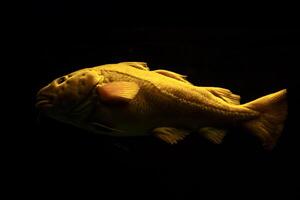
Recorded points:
42,104
44,101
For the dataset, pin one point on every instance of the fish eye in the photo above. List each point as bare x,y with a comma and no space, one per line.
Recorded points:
61,80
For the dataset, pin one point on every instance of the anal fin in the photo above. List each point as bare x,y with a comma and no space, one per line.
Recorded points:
213,134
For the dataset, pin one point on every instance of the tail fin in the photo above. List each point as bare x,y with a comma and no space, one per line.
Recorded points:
273,112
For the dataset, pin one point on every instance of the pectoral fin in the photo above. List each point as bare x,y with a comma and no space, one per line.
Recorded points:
172,75
170,135
101,128
213,134
120,91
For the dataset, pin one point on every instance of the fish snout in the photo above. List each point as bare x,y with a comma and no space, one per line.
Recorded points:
44,99
66,91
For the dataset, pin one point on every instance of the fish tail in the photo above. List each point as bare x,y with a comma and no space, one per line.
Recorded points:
269,124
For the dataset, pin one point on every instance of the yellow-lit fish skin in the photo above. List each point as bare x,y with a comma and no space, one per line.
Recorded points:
128,99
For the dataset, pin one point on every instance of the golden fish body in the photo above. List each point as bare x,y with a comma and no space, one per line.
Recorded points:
165,101
128,99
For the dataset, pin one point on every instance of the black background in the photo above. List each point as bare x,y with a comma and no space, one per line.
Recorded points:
251,57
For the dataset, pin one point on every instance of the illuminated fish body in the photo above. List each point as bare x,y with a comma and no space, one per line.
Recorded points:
127,99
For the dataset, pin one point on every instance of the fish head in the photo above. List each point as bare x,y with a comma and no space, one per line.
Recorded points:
68,98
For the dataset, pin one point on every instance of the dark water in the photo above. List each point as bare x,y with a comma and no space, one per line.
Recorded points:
54,158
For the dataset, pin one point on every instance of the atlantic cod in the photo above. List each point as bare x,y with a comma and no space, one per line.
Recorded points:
128,99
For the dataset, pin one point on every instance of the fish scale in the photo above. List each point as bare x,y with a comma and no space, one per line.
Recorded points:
213,105
127,99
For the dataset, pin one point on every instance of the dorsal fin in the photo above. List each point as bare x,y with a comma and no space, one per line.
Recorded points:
172,75
225,95
138,65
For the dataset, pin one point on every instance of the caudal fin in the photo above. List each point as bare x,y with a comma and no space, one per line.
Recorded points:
269,124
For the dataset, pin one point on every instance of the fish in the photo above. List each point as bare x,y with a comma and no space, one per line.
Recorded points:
128,99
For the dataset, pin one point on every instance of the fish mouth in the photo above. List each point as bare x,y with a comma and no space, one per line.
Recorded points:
43,102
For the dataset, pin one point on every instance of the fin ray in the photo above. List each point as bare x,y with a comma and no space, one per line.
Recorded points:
225,94
120,91
269,124
138,65
213,134
104,128
172,75
170,135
